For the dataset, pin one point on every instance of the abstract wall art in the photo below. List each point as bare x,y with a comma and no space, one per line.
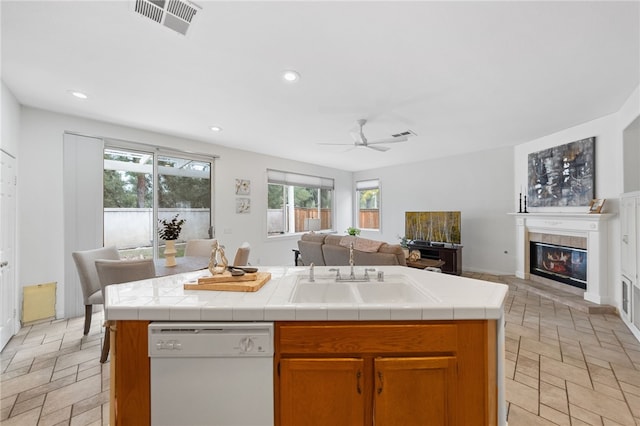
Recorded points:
563,175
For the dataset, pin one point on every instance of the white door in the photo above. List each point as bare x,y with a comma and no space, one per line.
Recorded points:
8,321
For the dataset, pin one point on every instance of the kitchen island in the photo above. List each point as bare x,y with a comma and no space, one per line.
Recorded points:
449,344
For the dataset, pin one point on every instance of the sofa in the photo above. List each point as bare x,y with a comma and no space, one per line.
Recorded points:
333,250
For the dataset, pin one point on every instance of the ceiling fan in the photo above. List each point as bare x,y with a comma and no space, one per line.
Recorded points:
359,139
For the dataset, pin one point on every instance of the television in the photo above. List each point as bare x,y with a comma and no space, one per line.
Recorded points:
438,227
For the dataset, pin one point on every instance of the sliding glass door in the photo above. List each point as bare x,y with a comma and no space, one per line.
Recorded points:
142,186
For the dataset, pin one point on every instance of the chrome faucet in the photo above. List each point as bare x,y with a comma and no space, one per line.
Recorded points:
338,277
366,273
352,275
312,277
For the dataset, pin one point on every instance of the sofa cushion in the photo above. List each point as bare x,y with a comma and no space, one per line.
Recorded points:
313,237
311,252
396,250
361,244
335,255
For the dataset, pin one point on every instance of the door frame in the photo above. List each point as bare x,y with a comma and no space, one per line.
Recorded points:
8,283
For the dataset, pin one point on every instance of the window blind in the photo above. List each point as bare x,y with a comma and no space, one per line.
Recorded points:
364,185
297,179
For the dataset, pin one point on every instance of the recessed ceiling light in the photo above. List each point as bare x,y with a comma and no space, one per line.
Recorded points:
215,128
291,76
77,94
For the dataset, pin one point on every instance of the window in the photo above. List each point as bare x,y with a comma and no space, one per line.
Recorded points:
142,186
368,204
298,203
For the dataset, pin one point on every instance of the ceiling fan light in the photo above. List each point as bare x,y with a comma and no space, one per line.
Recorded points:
290,76
215,128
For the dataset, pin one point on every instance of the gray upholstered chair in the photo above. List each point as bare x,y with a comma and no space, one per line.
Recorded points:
242,255
117,272
199,247
89,281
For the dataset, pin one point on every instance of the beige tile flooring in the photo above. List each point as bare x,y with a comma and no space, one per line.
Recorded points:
563,366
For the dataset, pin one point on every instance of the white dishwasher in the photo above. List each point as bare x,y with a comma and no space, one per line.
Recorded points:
211,374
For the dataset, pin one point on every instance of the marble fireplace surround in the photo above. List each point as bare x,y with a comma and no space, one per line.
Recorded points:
568,229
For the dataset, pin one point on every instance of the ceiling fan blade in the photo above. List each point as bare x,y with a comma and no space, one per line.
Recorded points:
388,140
328,143
377,148
357,137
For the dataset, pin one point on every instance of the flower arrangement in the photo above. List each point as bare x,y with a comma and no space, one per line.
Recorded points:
353,231
170,229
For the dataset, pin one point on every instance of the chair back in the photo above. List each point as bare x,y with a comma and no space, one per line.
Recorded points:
122,271
86,266
199,247
242,255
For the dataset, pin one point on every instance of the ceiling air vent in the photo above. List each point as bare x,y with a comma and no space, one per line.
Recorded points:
405,133
175,14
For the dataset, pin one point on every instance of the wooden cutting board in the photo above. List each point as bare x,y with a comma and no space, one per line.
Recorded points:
226,277
260,279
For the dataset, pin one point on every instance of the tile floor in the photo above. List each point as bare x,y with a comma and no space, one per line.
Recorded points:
564,366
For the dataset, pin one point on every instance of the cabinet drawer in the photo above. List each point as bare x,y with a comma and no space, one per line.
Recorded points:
359,337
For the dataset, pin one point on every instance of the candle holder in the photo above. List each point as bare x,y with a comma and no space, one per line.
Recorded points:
525,205
520,203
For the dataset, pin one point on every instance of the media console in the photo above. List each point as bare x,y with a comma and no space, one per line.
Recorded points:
450,254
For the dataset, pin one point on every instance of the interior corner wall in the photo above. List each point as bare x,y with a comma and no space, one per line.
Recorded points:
40,211
10,113
479,185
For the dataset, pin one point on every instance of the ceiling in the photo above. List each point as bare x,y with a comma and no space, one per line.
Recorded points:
464,76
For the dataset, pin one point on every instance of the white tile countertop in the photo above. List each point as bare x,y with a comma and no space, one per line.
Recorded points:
164,299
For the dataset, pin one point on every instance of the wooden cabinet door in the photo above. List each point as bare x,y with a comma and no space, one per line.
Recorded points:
415,391
322,391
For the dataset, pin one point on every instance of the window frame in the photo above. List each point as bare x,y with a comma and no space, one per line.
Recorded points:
290,181
367,185
156,153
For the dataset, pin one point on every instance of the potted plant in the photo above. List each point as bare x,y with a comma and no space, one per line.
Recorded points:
169,231
404,243
353,231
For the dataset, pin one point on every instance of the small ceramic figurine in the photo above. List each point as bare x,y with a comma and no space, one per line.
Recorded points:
218,261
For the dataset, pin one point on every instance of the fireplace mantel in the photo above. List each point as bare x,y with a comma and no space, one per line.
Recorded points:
591,226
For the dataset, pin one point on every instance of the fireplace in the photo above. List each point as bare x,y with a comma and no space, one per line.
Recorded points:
564,264
584,231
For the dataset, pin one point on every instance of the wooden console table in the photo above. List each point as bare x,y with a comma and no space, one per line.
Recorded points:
450,254
425,263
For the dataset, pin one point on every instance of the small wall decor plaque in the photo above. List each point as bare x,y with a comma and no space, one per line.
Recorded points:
243,205
243,187
596,205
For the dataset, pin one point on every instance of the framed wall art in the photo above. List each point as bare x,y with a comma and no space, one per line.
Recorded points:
243,187
563,175
243,205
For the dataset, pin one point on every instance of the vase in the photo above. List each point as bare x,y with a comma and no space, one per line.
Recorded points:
170,253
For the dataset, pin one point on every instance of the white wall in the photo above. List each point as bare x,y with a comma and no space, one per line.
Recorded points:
629,119
477,184
40,212
10,113
608,131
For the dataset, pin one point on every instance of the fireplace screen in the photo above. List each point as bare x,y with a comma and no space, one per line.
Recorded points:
563,264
